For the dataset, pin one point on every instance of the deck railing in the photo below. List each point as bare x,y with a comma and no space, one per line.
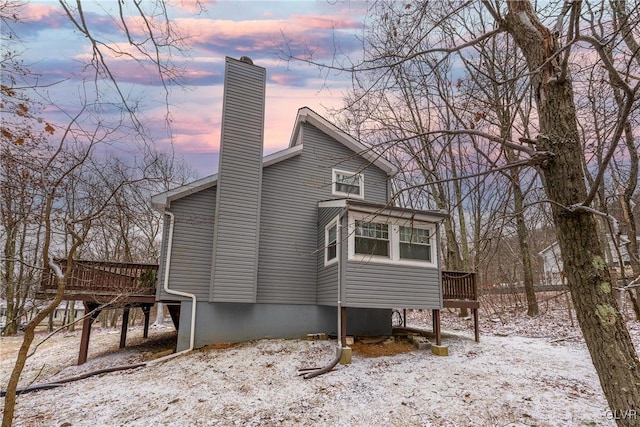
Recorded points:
104,278
459,285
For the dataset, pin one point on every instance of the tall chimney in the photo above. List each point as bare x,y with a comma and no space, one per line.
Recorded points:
237,212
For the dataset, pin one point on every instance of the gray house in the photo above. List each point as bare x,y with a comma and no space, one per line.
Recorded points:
273,246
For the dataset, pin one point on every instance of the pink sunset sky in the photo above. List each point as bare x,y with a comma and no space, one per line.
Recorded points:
258,29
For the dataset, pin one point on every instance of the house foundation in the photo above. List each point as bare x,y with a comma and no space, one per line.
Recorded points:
237,322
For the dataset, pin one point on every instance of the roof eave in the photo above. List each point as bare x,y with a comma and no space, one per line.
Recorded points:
307,115
163,200
382,210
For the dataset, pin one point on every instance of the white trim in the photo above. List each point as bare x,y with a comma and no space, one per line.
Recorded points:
333,223
394,240
385,211
338,203
360,177
395,212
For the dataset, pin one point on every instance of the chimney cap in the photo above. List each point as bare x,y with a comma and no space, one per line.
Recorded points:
246,59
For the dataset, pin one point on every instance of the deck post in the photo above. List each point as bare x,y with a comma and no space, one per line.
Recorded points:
86,330
146,309
125,327
476,326
343,326
436,326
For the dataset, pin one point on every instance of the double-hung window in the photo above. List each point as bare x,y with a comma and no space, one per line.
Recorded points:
415,244
372,238
348,184
331,243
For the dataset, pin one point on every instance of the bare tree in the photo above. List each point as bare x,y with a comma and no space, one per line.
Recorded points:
549,41
501,102
68,213
22,131
589,279
67,160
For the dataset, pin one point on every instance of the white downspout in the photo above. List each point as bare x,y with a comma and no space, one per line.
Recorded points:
314,372
339,253
179,293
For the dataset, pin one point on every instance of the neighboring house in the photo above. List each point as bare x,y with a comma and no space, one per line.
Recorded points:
553,268
270,247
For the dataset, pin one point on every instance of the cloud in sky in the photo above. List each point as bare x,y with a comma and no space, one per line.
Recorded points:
258,29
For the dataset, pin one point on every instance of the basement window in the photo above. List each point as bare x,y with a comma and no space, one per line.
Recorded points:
348,184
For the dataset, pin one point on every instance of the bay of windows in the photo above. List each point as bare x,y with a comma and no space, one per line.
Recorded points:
406,242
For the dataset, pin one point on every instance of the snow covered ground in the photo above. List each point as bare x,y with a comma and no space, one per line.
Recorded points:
523,372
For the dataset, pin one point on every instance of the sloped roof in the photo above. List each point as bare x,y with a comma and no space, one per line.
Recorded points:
162,200
305,115
385,210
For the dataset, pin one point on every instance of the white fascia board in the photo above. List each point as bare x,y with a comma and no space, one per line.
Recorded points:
163,200
402,213
338,203
307,115
378,210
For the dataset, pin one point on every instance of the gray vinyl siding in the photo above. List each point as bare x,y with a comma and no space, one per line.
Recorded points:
377,285
192,245
235,241
291,189
327,291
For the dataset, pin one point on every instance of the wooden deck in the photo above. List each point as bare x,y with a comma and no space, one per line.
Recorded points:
105,282
105,285
459,290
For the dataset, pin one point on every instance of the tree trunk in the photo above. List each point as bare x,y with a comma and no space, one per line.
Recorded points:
9,279
464,312
21,359
588,277
72,316
525,251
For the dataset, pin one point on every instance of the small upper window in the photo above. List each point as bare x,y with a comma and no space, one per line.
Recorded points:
348,184
415,244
